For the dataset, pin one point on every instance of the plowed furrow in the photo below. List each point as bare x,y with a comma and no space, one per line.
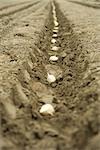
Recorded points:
13,5
11,21
62,83
16,10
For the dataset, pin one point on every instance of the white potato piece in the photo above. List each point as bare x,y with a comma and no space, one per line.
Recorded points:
55,31
55,48
56,28
51,78
47,109
53,58
54,13
56,23
54,35
53,41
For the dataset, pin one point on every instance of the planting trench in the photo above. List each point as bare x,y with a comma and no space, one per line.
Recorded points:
73,95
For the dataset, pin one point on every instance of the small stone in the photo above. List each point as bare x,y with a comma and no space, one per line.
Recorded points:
51,78
55,48
53,58
53,41
47,109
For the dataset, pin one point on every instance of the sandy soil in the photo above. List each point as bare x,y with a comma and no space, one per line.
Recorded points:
26,31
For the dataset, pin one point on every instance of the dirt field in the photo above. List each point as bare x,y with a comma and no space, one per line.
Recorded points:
26,33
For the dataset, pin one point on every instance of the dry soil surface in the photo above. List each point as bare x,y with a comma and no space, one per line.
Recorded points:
26,30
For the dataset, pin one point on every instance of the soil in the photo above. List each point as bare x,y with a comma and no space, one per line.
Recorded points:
26,31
